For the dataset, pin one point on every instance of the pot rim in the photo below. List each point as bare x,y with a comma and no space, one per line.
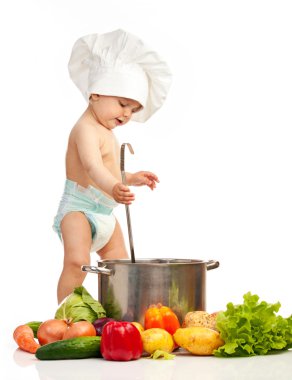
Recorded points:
151,261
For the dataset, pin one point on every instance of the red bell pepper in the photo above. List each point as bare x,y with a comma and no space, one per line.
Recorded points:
162,317
121,341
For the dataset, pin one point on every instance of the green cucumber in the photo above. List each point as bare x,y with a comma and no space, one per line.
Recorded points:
34,325
74,348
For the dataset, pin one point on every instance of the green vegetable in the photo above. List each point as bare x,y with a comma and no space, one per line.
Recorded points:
74,348
253,328
34,325
161,354
80,306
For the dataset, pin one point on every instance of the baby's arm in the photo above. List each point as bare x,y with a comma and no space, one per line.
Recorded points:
88,142
142,178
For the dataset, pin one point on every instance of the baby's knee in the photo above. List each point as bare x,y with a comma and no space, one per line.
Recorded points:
75,262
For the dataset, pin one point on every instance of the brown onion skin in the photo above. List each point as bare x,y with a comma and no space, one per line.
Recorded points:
81,328
51,330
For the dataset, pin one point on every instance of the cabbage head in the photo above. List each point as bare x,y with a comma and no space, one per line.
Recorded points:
80,306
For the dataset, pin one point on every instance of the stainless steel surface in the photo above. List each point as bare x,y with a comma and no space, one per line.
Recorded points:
98,270
212,264
132,287
122,168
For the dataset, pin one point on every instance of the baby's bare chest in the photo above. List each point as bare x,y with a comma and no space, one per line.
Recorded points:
110,149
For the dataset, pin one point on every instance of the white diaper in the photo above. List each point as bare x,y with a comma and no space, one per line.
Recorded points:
104,226
96,206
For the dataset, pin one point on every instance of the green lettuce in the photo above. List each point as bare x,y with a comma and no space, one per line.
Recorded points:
157,354
253,328
80,306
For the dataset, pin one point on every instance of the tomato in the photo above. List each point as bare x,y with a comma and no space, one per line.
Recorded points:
81,328
51,331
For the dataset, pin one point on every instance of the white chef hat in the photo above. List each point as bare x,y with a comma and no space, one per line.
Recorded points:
120,64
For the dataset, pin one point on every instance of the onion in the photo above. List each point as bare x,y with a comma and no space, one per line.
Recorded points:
81,328
51,331
99,323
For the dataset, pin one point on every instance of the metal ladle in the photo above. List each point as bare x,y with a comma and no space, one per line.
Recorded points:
122,167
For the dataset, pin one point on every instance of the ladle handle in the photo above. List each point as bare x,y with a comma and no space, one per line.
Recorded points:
130,234
127,206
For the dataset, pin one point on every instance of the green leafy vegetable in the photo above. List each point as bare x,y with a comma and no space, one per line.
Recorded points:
253,328
80,306
161,354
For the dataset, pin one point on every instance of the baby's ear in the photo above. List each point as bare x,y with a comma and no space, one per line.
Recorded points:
94,97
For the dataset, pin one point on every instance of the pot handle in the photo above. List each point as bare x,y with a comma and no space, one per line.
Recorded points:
212,264
98,270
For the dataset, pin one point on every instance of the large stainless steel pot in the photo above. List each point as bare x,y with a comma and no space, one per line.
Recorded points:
126,289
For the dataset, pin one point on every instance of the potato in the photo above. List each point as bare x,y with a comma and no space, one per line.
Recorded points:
200,318
198,340
157,339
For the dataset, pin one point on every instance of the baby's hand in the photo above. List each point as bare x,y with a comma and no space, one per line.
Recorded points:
144,178
122,194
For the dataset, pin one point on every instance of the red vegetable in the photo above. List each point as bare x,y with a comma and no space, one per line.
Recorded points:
162,317
121,341
99,323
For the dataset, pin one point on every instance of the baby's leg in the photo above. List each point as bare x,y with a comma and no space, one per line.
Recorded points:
76,235
115,248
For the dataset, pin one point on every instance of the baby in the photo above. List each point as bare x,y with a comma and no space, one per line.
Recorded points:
121,79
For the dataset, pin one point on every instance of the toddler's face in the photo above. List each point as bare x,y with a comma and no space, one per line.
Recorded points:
112,111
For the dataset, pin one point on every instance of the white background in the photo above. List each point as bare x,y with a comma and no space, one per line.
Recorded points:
221,144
